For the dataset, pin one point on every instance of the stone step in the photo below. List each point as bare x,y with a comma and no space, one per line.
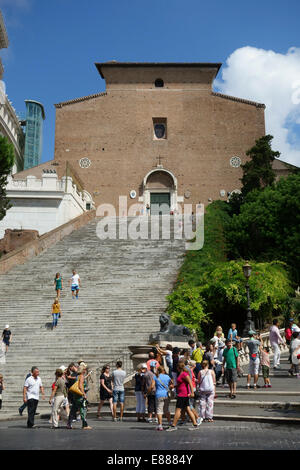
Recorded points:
124,289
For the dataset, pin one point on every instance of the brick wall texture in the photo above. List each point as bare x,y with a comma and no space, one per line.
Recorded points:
115,131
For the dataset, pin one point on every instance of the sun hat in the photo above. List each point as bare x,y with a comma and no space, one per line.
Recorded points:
6,326
63,368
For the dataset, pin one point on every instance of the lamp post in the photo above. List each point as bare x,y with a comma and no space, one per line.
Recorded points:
249,324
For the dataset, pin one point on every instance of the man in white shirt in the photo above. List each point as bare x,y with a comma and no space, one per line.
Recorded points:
31,394
75,284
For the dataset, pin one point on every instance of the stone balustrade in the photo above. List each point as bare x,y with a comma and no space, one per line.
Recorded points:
244,355
48,183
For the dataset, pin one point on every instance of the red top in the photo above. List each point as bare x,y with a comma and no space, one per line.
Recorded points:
183,389
288,333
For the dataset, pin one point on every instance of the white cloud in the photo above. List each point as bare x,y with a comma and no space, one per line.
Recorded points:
274,79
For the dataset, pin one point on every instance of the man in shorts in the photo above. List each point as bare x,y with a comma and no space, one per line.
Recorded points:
75,284
118,377
232,361
254,344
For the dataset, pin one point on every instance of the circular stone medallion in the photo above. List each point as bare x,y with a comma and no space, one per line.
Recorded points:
85,162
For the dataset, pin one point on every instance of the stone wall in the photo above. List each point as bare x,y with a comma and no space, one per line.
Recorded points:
42,243
114,130
14,239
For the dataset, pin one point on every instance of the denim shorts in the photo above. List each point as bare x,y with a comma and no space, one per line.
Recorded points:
118,395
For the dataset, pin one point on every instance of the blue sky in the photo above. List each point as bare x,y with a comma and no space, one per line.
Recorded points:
55,43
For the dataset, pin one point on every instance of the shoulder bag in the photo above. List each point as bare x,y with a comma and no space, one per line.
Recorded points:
75,389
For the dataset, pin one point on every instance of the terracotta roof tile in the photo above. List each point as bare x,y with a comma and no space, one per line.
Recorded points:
78,100
241,100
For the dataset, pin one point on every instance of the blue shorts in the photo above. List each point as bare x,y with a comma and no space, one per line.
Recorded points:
118,395
74,287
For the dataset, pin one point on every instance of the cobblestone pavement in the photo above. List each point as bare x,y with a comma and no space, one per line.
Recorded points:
130,435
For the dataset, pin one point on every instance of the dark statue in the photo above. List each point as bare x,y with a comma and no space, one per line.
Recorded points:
169,331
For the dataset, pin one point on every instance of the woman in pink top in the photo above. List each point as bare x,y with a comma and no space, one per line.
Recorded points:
184,390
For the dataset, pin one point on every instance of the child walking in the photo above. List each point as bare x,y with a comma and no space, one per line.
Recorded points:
56,312
58,282
265,365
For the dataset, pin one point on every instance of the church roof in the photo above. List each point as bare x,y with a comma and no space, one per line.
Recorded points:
114,63
34,171
281,165
78,100
240,100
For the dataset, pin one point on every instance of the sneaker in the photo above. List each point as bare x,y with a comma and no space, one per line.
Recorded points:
150,420
20,412
199,421
115,419
194,428
159,428
155,420
269,386
171,428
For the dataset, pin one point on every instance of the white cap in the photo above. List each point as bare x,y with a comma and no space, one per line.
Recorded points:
63,368
6,326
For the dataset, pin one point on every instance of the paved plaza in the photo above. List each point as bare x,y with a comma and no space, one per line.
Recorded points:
131,435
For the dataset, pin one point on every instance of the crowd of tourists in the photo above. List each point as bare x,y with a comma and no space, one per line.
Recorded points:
188,375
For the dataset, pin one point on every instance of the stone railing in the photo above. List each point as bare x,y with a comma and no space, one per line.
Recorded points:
49,183
244,355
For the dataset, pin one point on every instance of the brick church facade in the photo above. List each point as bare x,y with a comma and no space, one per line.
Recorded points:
159,134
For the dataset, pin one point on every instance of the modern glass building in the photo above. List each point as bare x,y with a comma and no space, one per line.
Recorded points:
35,115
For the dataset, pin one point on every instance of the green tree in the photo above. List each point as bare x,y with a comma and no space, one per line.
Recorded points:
224,293
268,226
187,307
258,172
7,158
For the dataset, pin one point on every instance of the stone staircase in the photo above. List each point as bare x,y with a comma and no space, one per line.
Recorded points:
124,288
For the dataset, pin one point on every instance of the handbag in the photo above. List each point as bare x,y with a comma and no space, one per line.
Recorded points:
75,389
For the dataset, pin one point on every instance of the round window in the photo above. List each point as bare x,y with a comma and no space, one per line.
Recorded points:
159,83
235,162
85,162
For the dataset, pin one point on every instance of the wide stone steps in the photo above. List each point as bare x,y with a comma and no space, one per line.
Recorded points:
124,288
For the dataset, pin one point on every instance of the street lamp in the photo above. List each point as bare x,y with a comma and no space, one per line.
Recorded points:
249,324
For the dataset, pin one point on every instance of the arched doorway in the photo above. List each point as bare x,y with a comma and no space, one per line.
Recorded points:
160,192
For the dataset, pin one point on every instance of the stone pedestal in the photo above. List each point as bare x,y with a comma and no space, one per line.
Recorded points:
139,354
